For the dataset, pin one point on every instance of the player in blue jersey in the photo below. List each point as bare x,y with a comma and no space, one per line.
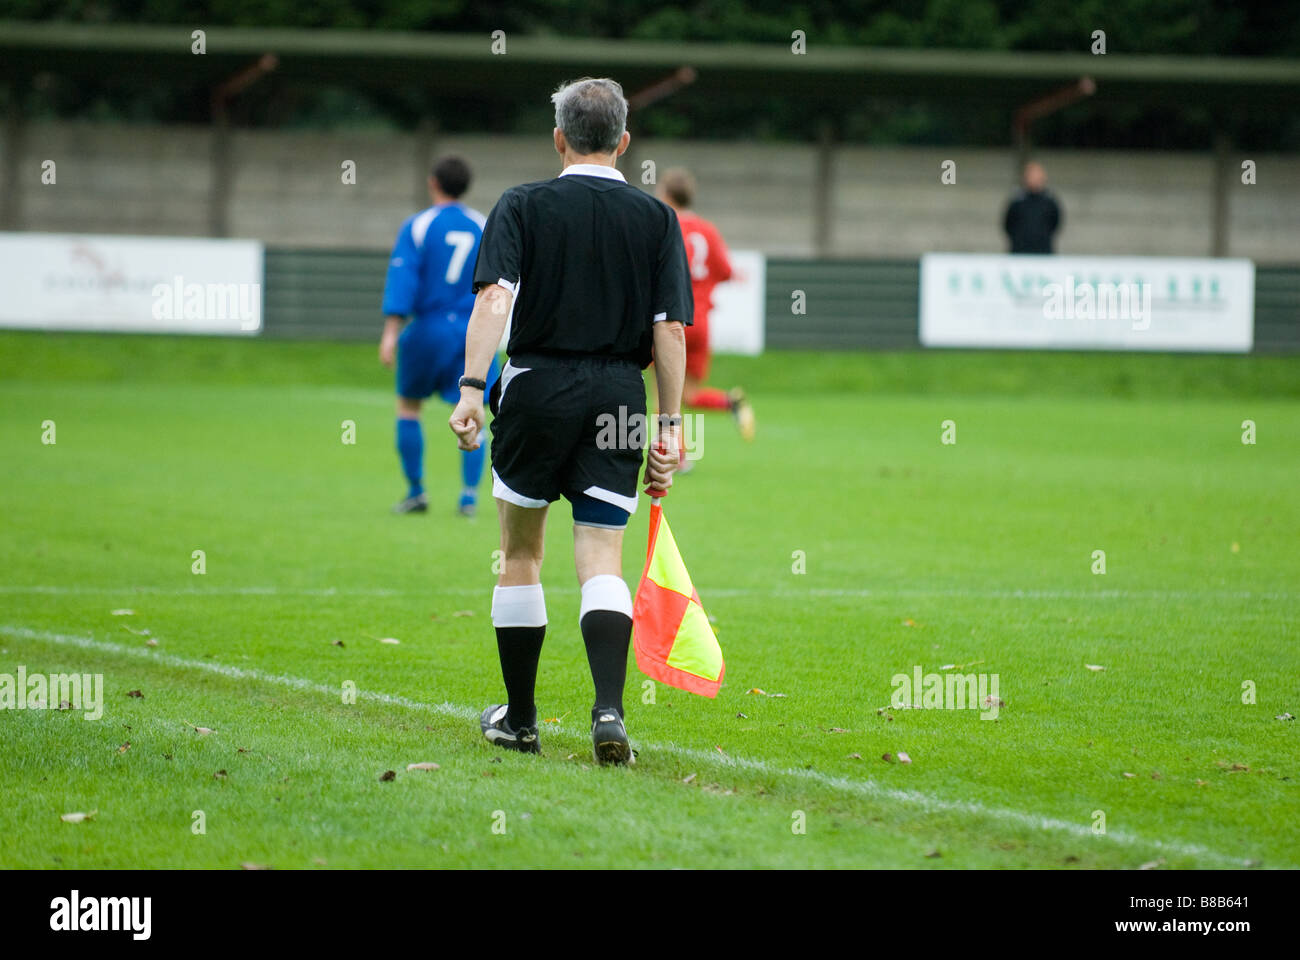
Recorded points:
429,280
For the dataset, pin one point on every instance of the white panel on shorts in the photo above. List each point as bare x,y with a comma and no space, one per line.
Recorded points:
501,492
508,373
609,496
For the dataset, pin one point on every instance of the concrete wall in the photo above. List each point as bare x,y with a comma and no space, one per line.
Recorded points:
285,188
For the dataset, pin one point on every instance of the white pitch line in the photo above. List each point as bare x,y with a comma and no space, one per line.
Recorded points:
225,670
864,788
723,592
251,591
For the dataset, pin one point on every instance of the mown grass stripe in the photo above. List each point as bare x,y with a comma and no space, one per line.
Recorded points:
864,788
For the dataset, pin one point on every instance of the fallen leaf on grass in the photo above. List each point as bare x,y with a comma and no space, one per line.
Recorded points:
1284,716
337,643
151,642
1238,767
422,766
387,775
124,747
742,716
123,612
463,613
135,693
903,758
65,705
887,757
688,778
78,817
1094,667
249,865
992,701
933,854
1153,864
220,775
960,666
392,641
1130,776
836,730
1201,783
758,691
854,756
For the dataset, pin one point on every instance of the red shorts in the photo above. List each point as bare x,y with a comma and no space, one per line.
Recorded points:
697,349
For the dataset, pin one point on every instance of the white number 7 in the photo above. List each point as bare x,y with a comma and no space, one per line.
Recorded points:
463,241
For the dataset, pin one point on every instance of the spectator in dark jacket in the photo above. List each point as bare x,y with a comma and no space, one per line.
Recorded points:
1033,216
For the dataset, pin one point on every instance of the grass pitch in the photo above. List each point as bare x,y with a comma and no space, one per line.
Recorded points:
914,553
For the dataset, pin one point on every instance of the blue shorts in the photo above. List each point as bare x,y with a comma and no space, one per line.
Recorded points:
431,358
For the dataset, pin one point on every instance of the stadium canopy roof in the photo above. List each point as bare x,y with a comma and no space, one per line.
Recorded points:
458,64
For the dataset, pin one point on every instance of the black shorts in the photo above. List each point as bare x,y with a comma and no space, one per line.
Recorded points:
568,426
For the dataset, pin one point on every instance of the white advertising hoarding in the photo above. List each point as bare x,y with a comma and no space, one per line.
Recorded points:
737,322
1087,303
130,284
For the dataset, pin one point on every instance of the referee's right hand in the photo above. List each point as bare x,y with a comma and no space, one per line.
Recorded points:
467,420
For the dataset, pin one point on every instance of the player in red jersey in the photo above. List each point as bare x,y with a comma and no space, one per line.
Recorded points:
710,265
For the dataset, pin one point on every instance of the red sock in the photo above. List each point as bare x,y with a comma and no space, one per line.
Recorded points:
710,398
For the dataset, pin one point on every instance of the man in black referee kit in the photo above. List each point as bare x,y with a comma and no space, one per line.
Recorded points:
597,274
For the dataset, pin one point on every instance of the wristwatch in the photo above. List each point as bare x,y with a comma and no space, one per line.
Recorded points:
474,382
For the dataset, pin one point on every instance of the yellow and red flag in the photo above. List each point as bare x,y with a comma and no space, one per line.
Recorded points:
672,637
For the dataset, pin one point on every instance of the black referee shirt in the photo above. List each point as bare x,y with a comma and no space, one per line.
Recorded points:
592,261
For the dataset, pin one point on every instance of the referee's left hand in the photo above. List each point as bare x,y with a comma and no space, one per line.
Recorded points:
467,421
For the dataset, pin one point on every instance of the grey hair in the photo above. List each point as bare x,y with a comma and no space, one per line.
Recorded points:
591,113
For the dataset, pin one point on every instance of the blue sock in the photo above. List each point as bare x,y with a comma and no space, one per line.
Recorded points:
471,469
410,447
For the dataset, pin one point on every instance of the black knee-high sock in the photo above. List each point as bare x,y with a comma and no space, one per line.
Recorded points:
606,634
520,648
